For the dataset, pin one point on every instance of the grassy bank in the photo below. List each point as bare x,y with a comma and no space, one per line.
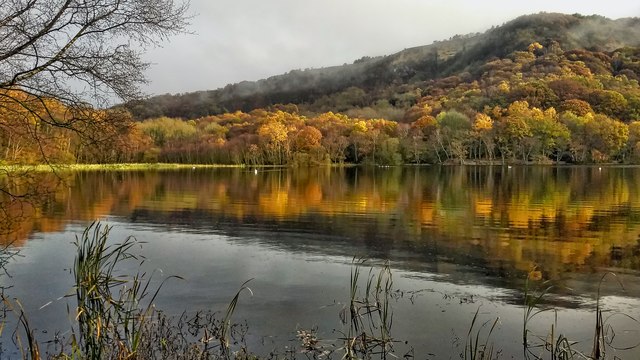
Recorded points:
135,167
110,167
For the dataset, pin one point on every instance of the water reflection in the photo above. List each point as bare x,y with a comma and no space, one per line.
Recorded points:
489,225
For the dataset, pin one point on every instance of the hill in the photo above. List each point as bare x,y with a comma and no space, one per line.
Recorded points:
387,86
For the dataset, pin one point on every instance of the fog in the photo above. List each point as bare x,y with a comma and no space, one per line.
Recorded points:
235,40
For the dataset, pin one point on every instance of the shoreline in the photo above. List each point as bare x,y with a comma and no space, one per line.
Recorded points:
178,166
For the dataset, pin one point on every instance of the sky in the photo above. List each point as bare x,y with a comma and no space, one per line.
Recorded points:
236,40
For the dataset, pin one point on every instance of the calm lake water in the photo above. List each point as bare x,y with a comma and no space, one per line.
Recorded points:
458,239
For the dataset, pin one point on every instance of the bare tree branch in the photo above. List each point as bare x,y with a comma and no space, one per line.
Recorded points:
56,46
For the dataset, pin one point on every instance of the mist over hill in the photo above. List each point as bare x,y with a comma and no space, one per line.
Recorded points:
387,86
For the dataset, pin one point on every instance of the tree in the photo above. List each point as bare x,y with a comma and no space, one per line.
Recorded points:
578,147
633,144
358,139
455,129
273,137
609,102
77,53
576,106
57,49
483,132
510,130
548,135
307,138
606,137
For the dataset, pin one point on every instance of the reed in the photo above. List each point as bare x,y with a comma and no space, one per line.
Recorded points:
110,313
226,322
28,348
604,333
370,316
474,348
532,306
556,345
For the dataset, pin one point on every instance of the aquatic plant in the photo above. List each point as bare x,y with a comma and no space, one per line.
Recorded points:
558,346
604,333
369,314
110,312
30,349
476,350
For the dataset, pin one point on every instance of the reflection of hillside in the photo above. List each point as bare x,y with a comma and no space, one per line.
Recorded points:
502,221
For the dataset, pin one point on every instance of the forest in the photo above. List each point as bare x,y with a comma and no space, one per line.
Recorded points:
537,105
544,88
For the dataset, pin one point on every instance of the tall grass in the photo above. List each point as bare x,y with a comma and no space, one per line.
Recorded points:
28,347
556,345
111,310
226,322
475,349
604,333
115,317
369,314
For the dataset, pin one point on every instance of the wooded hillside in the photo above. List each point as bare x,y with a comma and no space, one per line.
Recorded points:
392,78
541,88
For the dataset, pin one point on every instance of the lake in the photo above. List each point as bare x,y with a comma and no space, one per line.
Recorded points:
458,239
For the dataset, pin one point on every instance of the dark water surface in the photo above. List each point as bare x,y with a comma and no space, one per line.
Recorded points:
458,239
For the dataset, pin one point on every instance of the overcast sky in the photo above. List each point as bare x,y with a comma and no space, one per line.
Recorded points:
237,40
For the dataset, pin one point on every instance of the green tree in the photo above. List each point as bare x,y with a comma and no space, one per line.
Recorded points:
606,138
608,102
454,134
633,144
576,124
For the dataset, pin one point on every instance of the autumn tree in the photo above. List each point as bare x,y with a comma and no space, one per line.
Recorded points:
76,53
548,136
358,139
334,129
576,106
483,134
578,147
126,141
307,147
609,102
274,137
425,131
511,129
